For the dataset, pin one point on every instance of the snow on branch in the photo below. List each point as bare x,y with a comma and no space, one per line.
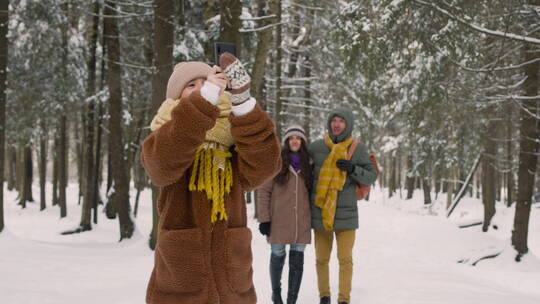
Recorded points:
147,4
258,18
122,15
129,65
96,96
478,27
258,29
519,97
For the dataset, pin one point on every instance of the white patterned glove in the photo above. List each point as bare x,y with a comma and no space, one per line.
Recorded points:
239,78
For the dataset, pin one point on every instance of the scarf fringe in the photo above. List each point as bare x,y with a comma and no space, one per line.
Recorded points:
210,177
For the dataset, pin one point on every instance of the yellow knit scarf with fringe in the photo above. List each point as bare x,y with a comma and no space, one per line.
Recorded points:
331,180
212,169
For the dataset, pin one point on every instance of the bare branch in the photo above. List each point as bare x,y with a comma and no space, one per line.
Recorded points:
480,28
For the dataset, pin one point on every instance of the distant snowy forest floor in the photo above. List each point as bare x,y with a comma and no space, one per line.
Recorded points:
404,253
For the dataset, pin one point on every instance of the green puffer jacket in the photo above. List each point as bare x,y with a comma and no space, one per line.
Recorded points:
364,173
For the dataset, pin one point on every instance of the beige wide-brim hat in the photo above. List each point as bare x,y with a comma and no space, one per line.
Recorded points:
183,73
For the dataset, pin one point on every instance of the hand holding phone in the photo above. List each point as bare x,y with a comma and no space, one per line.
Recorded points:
218,78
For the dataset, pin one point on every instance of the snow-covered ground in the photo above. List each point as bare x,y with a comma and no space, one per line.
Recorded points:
404,253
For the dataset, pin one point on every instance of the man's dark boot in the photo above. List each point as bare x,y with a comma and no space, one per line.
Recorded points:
296,269
325,300
276,269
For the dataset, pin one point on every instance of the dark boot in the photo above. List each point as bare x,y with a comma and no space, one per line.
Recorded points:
296,269
276,269
325,300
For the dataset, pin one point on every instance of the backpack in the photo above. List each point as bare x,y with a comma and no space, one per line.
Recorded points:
362,191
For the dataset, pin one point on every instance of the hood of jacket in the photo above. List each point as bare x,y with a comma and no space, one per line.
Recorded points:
347,115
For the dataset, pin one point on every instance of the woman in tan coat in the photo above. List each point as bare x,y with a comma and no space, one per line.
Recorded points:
204,153
284,213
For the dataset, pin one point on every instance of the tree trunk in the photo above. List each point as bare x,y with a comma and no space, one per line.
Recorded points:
230,25
498,183
427,191
63,157
140,180
264,39
278,60
42,166
450,192
163,50
292,60
62,166
27,174
19,177
4,17
19,181
163,57
55,186
509,157
439,175
528,156
89,200
409,180
210,11
12,167
307,95
382,176
98,163
134,159
109,165
488,187
121,187
80,143
399,171
392,183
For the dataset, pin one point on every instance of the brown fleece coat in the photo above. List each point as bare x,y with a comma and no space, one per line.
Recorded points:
197,262
287,208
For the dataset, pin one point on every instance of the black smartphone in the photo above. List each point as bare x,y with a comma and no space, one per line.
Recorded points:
223,47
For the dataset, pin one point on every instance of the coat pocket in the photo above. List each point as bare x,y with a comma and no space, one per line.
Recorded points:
179,261
239,259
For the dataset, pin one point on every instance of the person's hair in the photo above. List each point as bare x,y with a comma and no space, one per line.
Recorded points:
305,165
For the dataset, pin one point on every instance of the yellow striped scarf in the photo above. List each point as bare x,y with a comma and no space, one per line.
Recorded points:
331,180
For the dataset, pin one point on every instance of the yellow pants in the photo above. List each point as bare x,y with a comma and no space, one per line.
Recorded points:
323,249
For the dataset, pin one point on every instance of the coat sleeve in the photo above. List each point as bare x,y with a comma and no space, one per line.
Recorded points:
364,171
264,199
170,150
258,148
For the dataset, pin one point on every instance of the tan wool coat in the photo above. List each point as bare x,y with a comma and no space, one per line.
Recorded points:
197,261
287,208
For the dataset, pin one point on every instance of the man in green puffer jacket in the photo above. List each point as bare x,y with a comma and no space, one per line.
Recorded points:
329,154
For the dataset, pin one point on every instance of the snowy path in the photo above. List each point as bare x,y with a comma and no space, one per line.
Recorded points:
400,257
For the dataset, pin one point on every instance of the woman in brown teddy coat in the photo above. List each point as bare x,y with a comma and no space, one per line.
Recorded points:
208,147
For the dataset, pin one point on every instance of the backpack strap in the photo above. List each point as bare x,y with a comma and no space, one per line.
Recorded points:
352,148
